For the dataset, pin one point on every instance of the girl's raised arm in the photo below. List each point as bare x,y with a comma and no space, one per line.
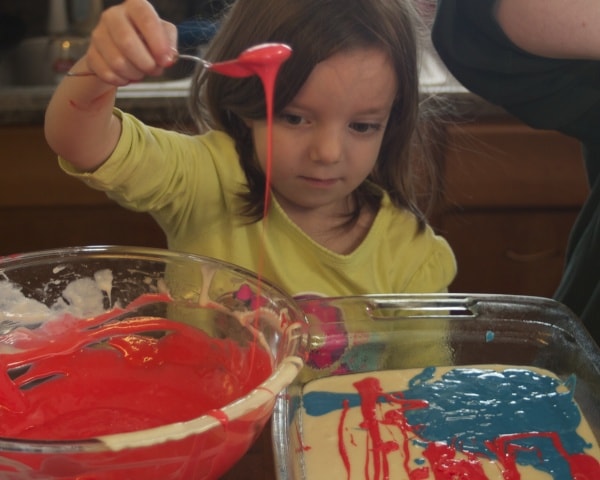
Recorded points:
129,42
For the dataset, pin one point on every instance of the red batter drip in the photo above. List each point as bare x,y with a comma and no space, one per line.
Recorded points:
265,61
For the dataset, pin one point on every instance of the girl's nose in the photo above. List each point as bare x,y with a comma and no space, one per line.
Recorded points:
327,145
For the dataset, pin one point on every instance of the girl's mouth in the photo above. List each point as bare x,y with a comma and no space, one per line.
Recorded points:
320,182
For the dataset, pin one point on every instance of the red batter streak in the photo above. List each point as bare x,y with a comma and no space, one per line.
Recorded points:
441,456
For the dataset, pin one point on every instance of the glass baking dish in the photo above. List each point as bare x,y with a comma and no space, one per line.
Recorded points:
350,335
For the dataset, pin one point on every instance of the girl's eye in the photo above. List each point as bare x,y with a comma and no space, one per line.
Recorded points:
291,119
361,127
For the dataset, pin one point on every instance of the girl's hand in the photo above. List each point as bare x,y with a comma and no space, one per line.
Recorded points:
129,43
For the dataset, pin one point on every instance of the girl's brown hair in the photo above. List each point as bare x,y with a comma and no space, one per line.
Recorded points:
316,30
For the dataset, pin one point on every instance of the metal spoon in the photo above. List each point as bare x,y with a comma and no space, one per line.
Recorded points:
242,66
205,63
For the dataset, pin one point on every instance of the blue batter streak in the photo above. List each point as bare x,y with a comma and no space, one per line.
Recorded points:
469,406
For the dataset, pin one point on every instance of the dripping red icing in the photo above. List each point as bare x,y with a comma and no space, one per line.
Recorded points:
265,61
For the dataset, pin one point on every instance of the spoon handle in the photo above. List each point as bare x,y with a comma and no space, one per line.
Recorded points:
80,74
206,64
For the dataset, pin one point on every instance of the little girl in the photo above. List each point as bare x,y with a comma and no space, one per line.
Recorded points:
343,217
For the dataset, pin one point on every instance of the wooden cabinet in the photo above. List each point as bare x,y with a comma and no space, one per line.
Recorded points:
41,207
511,196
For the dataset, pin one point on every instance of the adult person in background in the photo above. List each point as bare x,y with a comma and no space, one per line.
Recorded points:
540,60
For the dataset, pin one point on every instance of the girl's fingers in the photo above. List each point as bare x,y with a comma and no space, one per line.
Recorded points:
171,38
107,60
130,42
104,68
159,37
123,45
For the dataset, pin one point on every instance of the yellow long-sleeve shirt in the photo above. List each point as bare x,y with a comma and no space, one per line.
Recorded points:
189,184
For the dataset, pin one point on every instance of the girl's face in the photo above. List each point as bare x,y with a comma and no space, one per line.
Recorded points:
326,141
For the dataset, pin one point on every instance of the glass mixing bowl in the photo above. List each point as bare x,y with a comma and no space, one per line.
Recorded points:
91,324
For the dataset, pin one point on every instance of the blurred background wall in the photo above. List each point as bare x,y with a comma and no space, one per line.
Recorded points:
35,12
